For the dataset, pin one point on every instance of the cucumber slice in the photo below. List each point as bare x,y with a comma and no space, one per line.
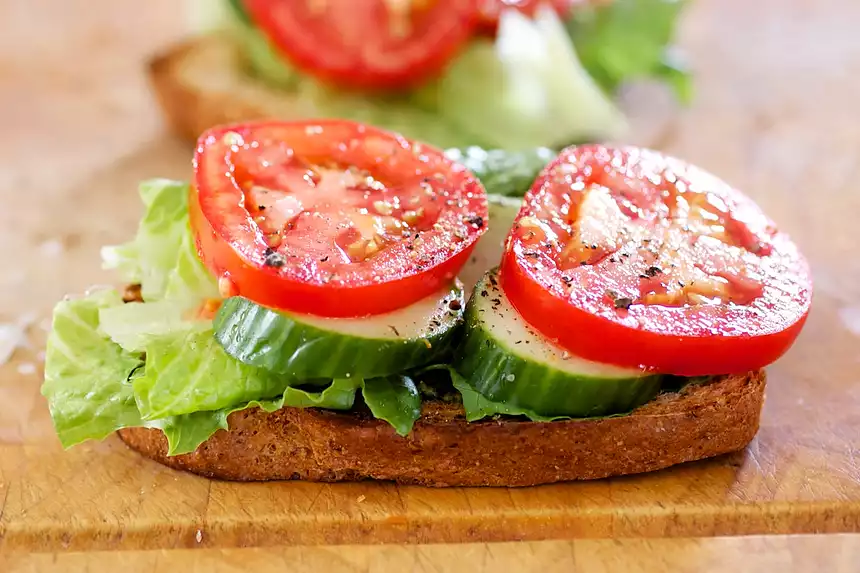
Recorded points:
488,252
306,346
506,361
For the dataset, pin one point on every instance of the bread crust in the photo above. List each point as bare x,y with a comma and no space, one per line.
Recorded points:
200,83
445,450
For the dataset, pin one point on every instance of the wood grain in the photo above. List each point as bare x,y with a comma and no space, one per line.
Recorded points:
792,554
777,92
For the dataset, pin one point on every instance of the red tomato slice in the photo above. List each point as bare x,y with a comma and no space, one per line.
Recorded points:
489,11
332,217
369,44
628,257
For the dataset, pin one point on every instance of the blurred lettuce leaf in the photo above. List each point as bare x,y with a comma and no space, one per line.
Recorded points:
625,40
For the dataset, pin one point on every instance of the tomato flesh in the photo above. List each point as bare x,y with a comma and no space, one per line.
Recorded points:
628,257
331,218
371,44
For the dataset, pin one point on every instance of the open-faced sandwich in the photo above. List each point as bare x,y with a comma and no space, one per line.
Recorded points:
508,74
296,313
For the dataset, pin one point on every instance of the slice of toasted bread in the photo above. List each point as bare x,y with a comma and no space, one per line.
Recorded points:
444,450
201,83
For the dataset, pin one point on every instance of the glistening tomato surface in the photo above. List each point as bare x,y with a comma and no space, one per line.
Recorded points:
370,44
629,257
331,218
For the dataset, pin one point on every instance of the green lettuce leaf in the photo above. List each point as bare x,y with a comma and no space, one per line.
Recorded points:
409,115
394,399
189,280
89,380
86,375
630,39
237,8
185,433
262,58
527,89
507,173
133,325
477,406
206,16
162,257
188,371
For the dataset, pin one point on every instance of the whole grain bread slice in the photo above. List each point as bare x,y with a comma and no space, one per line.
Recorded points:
201,83
444,450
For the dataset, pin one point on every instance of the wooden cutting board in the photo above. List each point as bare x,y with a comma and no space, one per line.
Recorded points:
786,554
775,114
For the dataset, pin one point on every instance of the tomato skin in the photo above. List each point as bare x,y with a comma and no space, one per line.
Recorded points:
236,251
687,339
331,301
358,45
607,342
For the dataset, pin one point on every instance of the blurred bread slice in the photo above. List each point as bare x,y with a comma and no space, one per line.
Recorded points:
202,82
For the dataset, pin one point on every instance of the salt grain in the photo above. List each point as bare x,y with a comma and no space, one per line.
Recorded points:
10,335
13,335
850,316
26,368
52,248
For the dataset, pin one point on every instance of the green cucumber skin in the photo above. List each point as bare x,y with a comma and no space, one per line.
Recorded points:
493,370
268,339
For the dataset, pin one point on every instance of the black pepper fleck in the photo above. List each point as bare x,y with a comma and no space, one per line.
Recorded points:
477,221
651,272
273,258
620,302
